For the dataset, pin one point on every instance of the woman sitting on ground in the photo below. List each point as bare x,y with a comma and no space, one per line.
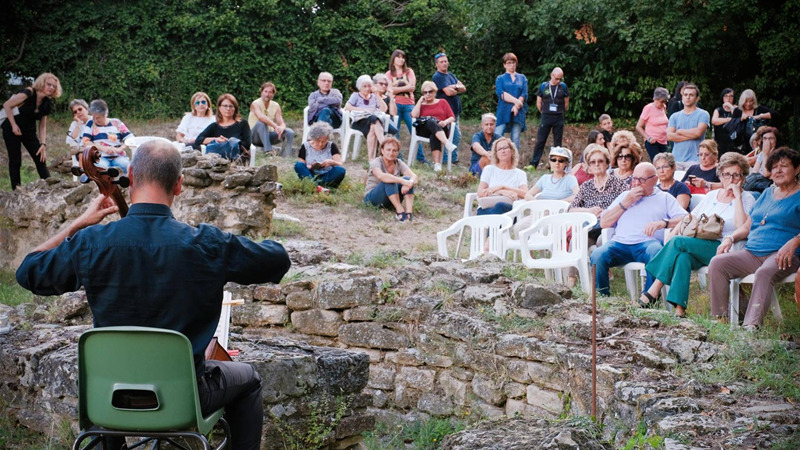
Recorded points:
501,182
80,117
391,182
108,135
680,255
439,118
772,242
626,156
319,158
193,123
367,111
665,171
702,177
229,136
559,185
596,195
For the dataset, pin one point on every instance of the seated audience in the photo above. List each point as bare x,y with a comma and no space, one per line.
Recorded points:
639,216
368,112
653,122
108,135
606,127
80,117
596,137
621,137
390,182
596,194
325,104
772,243
625,157
439,118
266,122
665,170
482,142
559,185
501,182
767,139
193,123
581,170
702,177
229,136
319,158
380,85
681,254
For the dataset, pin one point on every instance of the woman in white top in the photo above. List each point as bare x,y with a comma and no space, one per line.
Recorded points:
502,179
80,114
193,123
674,263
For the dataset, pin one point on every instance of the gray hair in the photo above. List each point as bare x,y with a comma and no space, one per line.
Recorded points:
731,159
363,79
661,94
488,116
78,102
319,130
378,77
98,106
321,74
156,162
665,156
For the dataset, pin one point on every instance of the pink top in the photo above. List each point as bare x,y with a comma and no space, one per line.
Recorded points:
441,110
655,123
581,175
405,98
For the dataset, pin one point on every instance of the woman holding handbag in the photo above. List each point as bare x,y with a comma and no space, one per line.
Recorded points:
680,255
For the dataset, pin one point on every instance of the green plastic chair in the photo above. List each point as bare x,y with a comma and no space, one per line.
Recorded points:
138,381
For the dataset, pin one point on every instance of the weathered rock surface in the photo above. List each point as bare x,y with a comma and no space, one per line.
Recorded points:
524,434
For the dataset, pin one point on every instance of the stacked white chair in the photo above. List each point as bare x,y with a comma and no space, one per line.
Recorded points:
482,228
535,209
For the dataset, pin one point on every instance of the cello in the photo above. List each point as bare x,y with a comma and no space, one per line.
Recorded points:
108,180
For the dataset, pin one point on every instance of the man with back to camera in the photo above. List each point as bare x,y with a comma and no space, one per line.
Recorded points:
552,101
450,89
325,104
148,269
687,128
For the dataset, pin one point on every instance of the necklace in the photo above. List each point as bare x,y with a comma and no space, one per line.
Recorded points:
774,201
603,187
556,182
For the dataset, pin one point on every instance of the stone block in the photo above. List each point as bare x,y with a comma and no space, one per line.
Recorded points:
381,377
379,397
414,357
520,408
489,388
483,295
300,300
371,335
528,295
268,293
453,388
518,371
691,425
354,425
259,314
545,399
374,355
360,313
547,375
460,326
317,321
514,390
435,404
348,292
406,397
486,410
420,379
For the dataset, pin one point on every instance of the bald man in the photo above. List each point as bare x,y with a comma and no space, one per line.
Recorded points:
552,101
638,216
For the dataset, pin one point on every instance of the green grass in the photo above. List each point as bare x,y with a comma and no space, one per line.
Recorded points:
511,323
421,435
11,293
14,436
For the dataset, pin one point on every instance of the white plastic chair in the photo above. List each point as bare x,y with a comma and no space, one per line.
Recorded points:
224,325
679,174
695,200
535,209
356,136
563,254
491,227
774,305
134,142
415,140
635,273
341,131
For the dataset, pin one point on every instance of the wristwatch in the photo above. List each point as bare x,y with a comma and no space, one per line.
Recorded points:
666,223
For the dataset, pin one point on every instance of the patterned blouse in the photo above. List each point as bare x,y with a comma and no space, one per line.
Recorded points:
589,196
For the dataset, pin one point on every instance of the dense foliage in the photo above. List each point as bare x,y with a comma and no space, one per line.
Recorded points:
147,57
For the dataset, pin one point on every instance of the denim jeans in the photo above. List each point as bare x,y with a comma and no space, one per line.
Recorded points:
654,149
332,178
499,208
379,195
121,162
516,130
265,138
327,115
613,253
228,149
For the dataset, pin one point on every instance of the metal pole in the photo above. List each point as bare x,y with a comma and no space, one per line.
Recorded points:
594,343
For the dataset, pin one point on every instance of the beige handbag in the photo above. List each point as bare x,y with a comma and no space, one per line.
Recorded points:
703,227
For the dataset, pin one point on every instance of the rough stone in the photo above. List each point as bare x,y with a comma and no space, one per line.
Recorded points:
307,253
317,321
255,315
483,295
529,295
420,379
381,377
514,390
691,425
435,404
646,355
524,434
488,388
371,335
664,407
406,397
354,425
414,357
268,293
348,292
360,313
549,401
459,326
486,410
454,388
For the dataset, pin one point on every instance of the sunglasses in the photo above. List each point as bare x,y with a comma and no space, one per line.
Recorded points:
428,92
439,55
629,157
201,102
558,160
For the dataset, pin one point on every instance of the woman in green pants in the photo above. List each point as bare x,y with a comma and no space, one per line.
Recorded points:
673,265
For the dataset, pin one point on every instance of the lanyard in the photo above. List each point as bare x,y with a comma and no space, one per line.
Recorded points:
553,93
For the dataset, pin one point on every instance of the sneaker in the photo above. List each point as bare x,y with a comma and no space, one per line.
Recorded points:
322,190
278,186
437,167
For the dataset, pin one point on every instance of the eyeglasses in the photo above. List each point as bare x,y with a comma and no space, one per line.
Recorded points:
597,162
226,106
663,167
505,147
558,160
428,92
200,102
77,110
383,83
439,55
705,154
642,180
731,176
326,81
629,157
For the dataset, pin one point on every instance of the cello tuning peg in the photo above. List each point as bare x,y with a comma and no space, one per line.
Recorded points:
112,172
84,178
77,171
123,182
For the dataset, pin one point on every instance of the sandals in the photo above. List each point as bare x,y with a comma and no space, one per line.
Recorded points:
401,217
648,304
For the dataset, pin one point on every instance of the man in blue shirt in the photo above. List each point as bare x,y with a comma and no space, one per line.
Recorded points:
552,101
450,89
687,128
149,269
482,142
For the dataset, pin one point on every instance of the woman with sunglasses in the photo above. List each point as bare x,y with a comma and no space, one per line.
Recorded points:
439,118
626,158
193,123
80,117
380,86
229,135
559,185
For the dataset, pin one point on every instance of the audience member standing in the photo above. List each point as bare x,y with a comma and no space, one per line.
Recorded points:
552,101
450,89
687,128
512,99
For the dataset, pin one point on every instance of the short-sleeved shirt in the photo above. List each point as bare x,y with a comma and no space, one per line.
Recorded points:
441,110
191,126
494,176
311,155
588,196
687,150
408,77
553,95
657,206
369,104
655,122
780,223
709,205
400,170
677,189
443,80
112,134
557,190
480,138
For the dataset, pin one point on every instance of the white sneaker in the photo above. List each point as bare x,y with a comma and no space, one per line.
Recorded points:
450,147
437,167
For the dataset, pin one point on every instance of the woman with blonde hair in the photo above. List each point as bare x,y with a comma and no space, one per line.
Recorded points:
702,177
748,117
501,179
30,104
194,122
438,118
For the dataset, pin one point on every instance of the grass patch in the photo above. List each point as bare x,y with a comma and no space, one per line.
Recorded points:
380,259
11,293
14,436
643,439
511,323
423,435
286,229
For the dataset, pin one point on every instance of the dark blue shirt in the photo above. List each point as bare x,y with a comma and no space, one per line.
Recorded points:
554,95
480,138
149,269
443,80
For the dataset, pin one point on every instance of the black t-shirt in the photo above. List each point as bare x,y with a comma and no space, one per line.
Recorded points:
28,113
